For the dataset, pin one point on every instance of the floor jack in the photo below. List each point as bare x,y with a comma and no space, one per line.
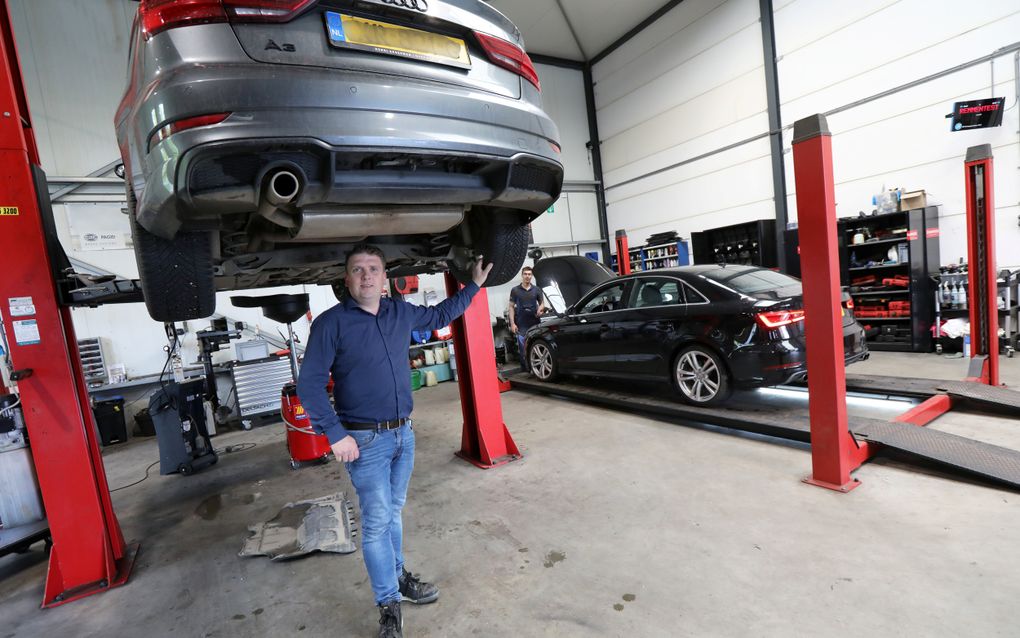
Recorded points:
303,443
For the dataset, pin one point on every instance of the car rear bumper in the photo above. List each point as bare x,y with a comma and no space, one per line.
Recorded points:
443,144
785,361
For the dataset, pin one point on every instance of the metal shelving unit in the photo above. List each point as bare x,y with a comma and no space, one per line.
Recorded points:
656,256
93,363
901,246
1009,312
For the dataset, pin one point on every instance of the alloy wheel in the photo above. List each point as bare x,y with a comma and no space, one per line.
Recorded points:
698,376
541,361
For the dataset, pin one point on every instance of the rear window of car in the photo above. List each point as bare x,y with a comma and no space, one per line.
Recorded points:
751,282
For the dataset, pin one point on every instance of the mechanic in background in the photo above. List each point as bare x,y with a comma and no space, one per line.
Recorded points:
363,342
525,308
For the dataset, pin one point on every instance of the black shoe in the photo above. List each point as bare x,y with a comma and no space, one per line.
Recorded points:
416,591
391,624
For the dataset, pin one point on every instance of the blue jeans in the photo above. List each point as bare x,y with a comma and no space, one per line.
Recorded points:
520,350
380,476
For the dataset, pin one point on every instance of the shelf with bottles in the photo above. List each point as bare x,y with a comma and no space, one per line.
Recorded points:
657,256
953,299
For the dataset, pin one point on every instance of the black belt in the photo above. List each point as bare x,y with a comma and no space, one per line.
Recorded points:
382,425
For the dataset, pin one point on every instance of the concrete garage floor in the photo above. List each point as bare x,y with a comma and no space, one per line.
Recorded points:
612,524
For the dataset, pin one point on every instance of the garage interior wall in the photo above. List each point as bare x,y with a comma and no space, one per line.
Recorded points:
690,83
74,72
831,58
693,83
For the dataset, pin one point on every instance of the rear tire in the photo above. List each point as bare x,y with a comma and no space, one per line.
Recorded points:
700,376
504,245
176,274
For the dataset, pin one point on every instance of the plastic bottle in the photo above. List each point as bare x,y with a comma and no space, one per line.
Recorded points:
963,296
954,296
946,296
966,345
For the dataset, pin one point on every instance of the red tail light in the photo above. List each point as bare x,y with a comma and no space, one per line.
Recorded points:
160,15
778,318
509,56
182,125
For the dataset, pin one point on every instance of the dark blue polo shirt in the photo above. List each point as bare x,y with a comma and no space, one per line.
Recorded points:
368,357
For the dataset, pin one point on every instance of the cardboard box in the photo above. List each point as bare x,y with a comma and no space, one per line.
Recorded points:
913,199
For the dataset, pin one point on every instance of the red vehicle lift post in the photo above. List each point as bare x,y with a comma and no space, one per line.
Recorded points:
622,253
485,440
834,452
982,282
983,294
89,554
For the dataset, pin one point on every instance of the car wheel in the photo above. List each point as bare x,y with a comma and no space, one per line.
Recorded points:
176,274
503,244
700,376
542,361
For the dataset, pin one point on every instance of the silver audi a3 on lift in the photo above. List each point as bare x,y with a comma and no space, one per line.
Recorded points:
261,139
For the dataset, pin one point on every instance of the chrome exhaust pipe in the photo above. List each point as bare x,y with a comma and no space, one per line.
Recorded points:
279,188
282,187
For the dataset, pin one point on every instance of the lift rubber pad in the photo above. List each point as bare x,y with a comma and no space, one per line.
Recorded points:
992,462
983,459
983,395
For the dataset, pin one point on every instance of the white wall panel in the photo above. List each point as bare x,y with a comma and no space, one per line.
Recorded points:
809,84
734,193
721,116
645,46
554,226
563,100
735,55
829,59
74,59
688,85
685,152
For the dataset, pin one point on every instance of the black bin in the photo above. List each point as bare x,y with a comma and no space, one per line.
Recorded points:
109,415
143,421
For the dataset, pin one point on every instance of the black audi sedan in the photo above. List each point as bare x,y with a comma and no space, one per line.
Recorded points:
706,329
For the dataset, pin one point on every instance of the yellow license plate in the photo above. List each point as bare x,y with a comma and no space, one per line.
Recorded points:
380,37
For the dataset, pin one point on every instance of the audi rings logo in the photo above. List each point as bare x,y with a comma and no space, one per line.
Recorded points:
417,5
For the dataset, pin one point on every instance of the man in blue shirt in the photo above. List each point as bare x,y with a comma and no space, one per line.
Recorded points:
524,310
363,341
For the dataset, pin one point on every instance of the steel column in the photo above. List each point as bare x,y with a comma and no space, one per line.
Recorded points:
834,453
89,554
485,440
768,41
983,295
